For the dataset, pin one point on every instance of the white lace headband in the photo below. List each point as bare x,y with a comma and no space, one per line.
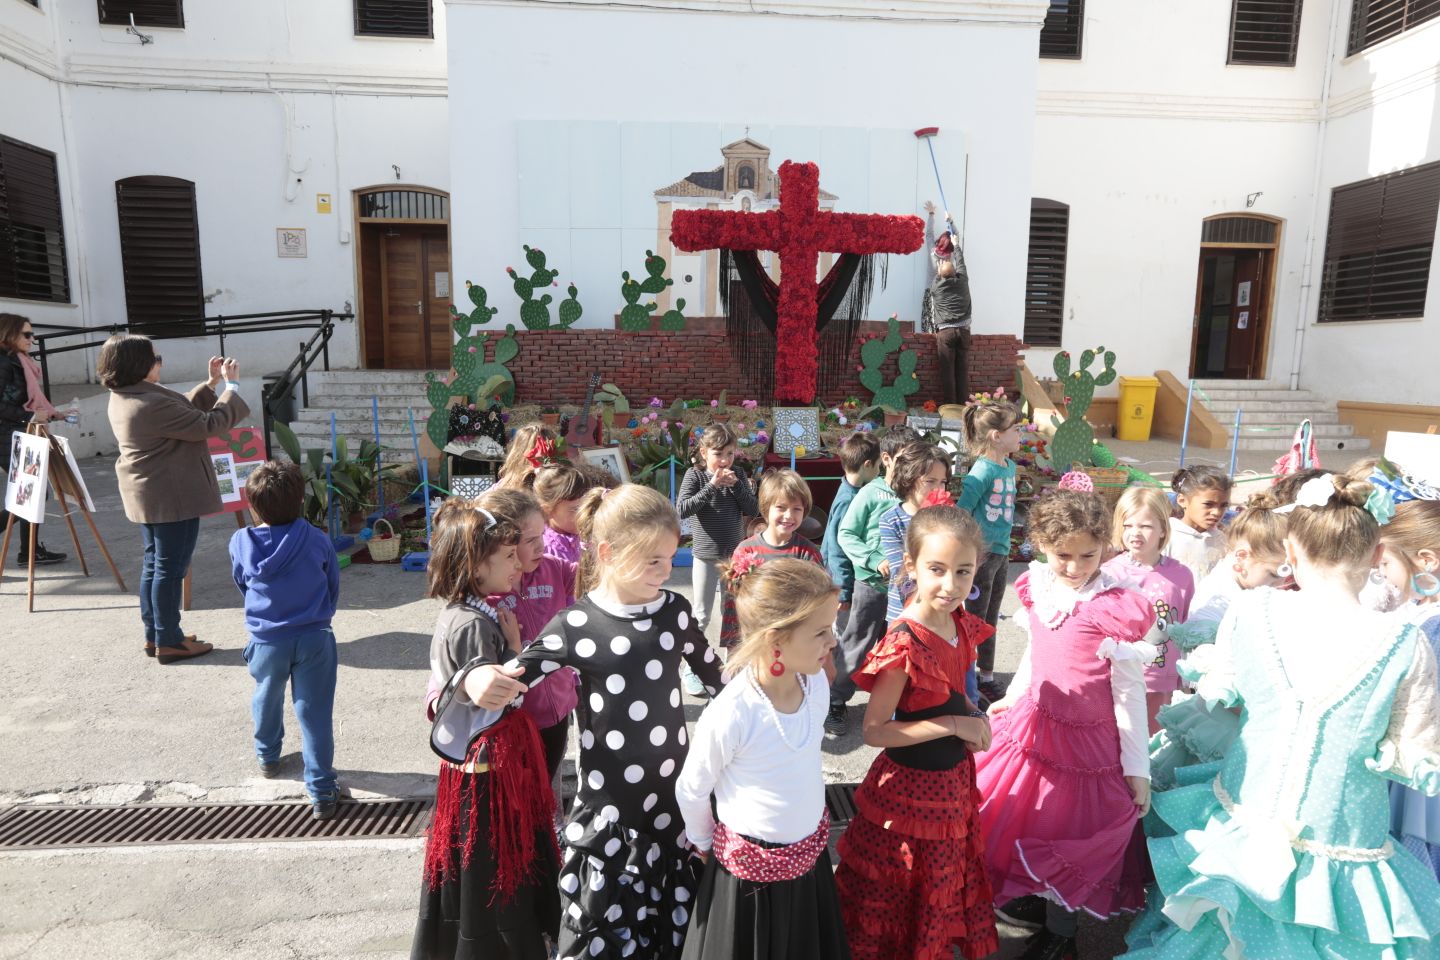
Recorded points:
1315,492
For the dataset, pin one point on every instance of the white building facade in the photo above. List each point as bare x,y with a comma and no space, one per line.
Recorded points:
1138,185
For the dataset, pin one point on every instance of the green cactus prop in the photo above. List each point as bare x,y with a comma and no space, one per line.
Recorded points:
464,322
873,354
244,444
634,315
1074,439
475,378
569,309
535,314
674,318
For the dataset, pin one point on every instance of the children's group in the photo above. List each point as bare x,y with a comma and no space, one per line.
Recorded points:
1225,722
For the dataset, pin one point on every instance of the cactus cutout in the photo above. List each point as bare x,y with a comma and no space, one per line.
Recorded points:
474,377
534,314
634,316
873,354
243,444
569,309
674,318
464,322
1074,439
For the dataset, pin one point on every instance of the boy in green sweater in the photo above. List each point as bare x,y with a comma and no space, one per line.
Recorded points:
859,537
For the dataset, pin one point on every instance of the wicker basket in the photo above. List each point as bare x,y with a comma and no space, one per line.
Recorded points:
1110,482
388,549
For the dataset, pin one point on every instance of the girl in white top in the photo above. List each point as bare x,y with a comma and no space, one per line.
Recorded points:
1202,495
768,887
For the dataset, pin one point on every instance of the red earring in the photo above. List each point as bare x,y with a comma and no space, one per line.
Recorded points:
777,669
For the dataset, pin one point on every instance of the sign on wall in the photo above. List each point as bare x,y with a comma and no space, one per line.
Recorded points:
290,243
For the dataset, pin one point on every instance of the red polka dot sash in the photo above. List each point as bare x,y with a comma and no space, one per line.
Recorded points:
749,860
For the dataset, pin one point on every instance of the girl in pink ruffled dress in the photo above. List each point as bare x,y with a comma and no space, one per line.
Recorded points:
1067,777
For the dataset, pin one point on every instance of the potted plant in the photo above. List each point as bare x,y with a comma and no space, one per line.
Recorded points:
550,415
719,413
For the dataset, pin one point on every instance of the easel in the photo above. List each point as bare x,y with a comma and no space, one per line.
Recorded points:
61,480
241,517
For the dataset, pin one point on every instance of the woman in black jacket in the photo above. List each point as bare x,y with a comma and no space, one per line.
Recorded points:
16,336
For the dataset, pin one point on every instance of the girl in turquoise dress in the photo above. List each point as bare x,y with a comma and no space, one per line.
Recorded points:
1411,564
1282,849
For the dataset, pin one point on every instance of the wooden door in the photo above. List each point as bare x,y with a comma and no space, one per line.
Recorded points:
1230,305
1244,326
415,296
438,297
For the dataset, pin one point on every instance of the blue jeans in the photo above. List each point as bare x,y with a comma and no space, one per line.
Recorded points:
308,662
168,549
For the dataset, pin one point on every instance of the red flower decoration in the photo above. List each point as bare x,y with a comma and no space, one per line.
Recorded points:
940,498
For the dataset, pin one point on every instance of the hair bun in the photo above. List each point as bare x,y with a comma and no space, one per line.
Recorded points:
1350,492
1262,500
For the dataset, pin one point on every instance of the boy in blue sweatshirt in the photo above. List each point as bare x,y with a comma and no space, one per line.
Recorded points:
290,576
860,461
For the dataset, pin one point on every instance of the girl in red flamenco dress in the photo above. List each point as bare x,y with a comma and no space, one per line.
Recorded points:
912,877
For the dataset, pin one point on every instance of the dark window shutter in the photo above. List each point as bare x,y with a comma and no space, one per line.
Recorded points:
1241,229
1379,245
393,18
1061,34
1374,20
1045,272
32,230
1264,31
160,250
148,13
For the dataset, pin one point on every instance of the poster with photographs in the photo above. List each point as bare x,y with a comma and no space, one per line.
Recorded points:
74,483
234,457
29,474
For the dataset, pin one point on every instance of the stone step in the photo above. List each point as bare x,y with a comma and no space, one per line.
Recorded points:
1220,384
1268,413
1340,430
1287,396
1293,409
1347,444
369,376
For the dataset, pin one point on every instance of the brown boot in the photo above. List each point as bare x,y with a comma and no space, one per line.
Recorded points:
189,649
150,647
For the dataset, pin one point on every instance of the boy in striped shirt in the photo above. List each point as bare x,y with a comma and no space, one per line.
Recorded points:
784,504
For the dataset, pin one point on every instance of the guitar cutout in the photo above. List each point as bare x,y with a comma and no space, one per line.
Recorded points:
583,429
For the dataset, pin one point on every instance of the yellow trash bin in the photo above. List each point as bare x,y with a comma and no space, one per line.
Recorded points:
1137,407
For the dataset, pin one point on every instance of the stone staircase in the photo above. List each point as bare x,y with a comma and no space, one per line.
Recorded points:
348,393
1270,412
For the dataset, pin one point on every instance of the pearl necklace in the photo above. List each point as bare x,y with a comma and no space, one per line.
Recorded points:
775,714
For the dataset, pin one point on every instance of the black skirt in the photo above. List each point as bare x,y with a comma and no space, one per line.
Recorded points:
738,919
463,919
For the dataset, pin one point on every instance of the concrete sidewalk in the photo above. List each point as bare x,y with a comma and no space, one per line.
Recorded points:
89,719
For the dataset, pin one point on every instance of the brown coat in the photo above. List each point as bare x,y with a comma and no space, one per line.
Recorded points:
164,467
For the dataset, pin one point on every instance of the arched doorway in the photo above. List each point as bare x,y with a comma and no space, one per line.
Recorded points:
405,282
1234,296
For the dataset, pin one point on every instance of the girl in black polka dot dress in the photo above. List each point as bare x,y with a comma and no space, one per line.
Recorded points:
628,876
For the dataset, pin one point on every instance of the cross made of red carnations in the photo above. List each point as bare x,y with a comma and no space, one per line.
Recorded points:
799,231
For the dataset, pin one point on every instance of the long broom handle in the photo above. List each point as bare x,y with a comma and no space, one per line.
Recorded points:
936,167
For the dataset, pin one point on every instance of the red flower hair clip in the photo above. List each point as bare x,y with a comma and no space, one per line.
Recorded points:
940,498
541,453
741,566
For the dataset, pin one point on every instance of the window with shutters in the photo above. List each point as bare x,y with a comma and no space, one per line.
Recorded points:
1264,32
1060,36
1374,20
1045,272
147,13
1378,246
32,231
160,251
393,18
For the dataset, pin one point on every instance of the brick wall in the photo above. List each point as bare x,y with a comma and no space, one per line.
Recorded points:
696,362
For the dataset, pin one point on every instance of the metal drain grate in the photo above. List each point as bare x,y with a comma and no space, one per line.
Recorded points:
27,827
839,800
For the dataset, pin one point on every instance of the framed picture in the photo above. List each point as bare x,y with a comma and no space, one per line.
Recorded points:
290,243
792,427
923,424
610,459
470,486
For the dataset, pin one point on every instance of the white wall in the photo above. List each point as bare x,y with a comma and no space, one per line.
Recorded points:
1144,139
550,62
263,105
1384,116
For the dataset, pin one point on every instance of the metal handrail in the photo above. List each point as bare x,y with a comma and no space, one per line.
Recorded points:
271,394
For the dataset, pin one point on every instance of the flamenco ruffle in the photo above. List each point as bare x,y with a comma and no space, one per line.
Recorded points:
624,893
1196,633
928,804
907,898
929,683
1091,856
1235,887
1190,732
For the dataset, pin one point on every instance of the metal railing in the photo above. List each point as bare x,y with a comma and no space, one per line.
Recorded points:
274,394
